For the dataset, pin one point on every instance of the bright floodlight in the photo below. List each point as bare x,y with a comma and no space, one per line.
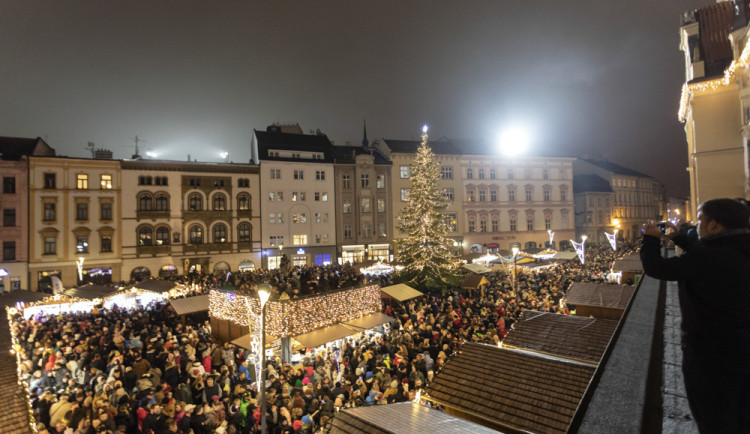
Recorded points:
515,251
584,237
264,291
151,154
513,141
424,129
224,154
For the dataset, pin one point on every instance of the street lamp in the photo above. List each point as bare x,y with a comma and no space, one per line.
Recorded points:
515,274
264,291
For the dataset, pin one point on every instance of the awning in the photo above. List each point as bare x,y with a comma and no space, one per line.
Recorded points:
324,335
90,291
476,268
183,306
401,292
493,246
566,255
474,281
158,286
244,341
369,321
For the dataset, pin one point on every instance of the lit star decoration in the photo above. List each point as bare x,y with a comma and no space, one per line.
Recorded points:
729,75
300,315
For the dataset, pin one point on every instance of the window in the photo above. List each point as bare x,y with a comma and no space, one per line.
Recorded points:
320,175
145,236
471,195
220,233
347,206
562,174
380,182
492,173
482,225
299,218
162,202
144,202
563,194
547,223
346,181
510,174
105,211
471,226
162,235
9,250
546,195
529,193
82,211
365,204
82,181
405,171
482,195
529,223
279,217
195,202
195,235
218,182
511,195
9,217
106,244
299,240
49,212
295,155
277,240
324,259
82,244
381,205
243,202
272,218
545,174
299,174
448,194
446,172
9,184
512,222
469,173
364,180
382,230
275,173
243,233
347,231
106,182
493,195
50,245
50,181
243,183
481,173
298,196
366,230
494,225
161,180
220,202
404,194
450,220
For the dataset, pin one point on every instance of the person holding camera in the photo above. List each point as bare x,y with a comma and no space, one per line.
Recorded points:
713,276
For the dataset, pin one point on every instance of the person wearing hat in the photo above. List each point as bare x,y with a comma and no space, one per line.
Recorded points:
187,418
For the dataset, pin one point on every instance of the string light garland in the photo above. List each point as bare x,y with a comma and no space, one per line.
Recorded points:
729,74
16,349
293,317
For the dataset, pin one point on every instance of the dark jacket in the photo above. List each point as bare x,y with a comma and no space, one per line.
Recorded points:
713,276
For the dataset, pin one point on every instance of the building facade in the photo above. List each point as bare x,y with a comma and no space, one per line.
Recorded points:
183,217
593,204
297,204
715,103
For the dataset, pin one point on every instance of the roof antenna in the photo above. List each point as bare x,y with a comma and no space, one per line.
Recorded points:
136,156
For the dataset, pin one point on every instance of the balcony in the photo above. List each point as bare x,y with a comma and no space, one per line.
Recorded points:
207,248
207,215
153,250
151,215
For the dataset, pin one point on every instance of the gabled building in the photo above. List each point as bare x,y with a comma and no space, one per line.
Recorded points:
637,197
593,204
298,215
14,205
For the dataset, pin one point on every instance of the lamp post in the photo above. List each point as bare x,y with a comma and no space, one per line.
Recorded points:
263,293
515,275
583,250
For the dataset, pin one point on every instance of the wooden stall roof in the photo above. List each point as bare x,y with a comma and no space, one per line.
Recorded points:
22,295
400,292
369,321
90,292
404,417
184,306
599,294
476,268
629,263
156,285
474,281
567,336
507,389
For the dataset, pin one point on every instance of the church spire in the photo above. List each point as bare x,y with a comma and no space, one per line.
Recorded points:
365,142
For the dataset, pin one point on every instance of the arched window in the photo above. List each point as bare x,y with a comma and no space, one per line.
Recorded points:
145,202
220,202
162,236
162,202
243,202
195,202
145,235
196,234
244,231
220,233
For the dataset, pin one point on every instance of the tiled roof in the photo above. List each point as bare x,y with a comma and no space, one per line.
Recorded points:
404,417
184,306
615,168
567,336
410,146
628,263
346,154
293,142
13,148
462,147
590,183
506,389
599,294
715,24
90,292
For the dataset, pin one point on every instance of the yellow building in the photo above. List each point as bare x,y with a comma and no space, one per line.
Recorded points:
715,104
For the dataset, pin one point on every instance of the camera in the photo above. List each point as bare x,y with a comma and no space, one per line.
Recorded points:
662,226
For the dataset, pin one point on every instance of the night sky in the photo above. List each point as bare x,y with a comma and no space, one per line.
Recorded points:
196,77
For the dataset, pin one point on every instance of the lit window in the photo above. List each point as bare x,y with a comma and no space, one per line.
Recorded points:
82,181
405,171
106,182
299,240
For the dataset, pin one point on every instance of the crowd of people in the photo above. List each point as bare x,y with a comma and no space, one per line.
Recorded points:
144,371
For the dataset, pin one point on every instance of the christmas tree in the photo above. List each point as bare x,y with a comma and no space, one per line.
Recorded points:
426,251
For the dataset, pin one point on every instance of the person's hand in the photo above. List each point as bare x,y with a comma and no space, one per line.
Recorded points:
651,228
